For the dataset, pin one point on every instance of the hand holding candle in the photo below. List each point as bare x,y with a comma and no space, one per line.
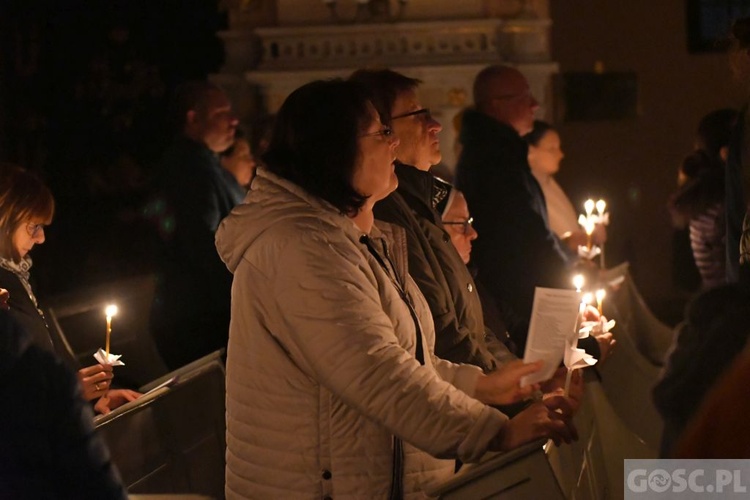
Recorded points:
103,356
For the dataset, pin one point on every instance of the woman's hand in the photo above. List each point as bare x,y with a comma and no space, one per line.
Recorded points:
540,420
599,236
606,343
114,399
556,387
576,239
95,380
4,296
503,386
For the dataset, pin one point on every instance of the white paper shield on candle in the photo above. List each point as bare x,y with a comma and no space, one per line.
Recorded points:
587,253
104,356
111,359
596,328
575,358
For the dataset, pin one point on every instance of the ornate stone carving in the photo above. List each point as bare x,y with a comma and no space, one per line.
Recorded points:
433,42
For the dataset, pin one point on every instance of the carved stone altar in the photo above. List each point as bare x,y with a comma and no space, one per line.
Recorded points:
442,42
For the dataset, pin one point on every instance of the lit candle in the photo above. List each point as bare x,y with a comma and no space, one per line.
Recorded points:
600,298
568,378
587,298
588,226
600,206
110,311
578,282
589,207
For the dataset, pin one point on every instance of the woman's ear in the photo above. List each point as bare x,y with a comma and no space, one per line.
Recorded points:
724,153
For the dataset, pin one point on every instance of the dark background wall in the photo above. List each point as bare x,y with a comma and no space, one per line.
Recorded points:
633,162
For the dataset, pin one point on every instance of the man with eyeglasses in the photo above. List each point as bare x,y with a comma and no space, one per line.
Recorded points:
517,250
434,263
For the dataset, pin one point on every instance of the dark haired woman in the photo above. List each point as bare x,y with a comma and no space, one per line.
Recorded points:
26,207
330,361
545,155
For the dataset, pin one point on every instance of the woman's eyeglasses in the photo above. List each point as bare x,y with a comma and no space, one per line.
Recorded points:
464,225
386,132
34,229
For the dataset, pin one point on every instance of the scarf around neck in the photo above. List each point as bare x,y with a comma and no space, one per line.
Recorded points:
22,271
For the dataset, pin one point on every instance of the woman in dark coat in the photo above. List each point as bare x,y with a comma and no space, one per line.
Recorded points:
26,207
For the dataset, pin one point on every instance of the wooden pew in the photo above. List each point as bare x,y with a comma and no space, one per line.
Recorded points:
520,474
172,440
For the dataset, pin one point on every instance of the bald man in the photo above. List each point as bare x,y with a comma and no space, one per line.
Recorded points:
517,251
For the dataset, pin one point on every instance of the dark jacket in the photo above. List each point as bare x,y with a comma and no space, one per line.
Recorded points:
23,310
735,197
191,311
440,274
716,327
516,251
48,445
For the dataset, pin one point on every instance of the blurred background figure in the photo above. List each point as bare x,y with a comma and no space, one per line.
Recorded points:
737,181
190,316
545,155
26,207
239,161
698,207
700,202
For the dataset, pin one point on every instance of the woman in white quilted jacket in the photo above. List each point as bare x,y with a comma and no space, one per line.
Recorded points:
333,389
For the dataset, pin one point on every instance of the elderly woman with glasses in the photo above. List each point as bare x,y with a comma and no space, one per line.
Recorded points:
26,207
332,385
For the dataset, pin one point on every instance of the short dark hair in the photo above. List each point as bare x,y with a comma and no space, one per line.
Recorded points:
23,196
384,86
536,134
191,95
314,140
715,129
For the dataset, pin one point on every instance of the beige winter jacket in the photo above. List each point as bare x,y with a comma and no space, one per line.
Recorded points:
321,370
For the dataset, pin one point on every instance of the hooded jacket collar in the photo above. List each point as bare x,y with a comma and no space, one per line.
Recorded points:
271,200
422,186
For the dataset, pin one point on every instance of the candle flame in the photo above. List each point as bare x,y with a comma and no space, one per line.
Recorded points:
587,298
111,310
589,206
578,282
600,294
600,206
